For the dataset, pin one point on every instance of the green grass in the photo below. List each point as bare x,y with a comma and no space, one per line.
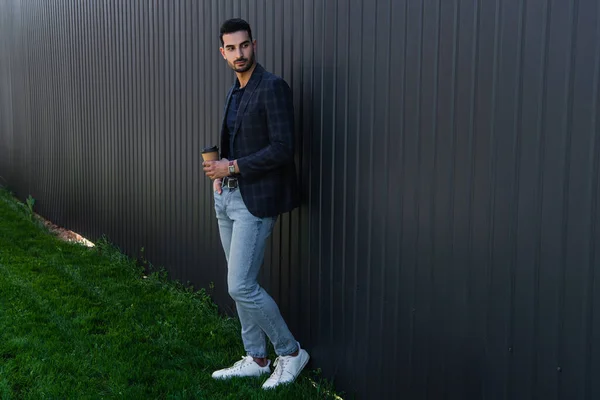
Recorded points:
83,323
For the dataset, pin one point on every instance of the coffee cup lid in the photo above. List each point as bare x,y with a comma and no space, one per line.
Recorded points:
210,149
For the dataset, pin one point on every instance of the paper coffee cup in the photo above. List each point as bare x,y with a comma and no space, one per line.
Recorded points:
210,153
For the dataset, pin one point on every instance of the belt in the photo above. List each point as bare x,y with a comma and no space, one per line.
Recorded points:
230,183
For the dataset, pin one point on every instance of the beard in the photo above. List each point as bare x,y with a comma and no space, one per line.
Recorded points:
245,67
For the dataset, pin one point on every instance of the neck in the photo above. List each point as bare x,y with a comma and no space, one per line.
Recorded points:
244,77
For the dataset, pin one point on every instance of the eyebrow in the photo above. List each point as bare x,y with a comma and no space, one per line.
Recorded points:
233,45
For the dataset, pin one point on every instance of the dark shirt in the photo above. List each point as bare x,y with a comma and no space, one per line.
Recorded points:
236,98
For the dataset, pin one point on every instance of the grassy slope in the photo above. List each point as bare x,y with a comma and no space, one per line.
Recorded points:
83,323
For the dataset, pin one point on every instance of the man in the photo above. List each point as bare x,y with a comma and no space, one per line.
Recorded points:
254,182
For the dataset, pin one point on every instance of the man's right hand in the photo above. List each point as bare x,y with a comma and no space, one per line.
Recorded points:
218,185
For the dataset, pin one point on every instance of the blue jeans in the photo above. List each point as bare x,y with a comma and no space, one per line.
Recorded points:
244,237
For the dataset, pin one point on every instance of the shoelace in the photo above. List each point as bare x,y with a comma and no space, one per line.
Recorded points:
279,365
240,364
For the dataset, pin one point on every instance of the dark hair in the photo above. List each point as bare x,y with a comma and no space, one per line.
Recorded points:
234,25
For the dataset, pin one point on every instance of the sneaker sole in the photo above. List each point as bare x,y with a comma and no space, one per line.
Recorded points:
224,377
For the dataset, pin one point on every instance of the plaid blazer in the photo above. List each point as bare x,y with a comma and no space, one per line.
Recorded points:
263,144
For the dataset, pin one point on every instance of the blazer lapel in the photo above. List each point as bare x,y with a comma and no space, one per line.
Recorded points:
248,92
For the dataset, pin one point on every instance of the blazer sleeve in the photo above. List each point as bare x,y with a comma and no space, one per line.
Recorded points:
279,111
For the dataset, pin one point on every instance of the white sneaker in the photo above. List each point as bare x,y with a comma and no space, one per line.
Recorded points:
287,369
245,367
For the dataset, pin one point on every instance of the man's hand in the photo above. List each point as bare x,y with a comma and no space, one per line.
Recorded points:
216,169
218,186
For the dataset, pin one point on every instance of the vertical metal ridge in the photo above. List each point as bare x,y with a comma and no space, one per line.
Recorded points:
132,150
53,100
195,133
385,153
492,175
281,51
176,126
64,117
334,161
456,51
121,125
60,99
39,97
541,125
296,237
345,173
90,115
56,183
94,116
166,124
40,168
283,251
49,166
144,217
472,139
566,128
306,146
453,122
398,258
28,112
27,95
67,112
401,238
99,134
434,183
185,145
514,225
146,193
112,113
205,125
103,101
369,241
320,240
73,92
353,347
191,147
140,149
452,173
417,196
80,106
594,189
108,110
82,91
76,93
85,94
167,109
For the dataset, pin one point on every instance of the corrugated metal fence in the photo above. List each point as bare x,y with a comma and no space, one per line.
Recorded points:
447,245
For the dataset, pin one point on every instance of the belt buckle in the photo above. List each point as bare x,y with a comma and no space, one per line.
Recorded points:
231,183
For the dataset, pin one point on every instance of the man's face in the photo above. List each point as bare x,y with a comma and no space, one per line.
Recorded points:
238,50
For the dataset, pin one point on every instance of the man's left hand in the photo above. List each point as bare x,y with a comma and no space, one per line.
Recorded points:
216,169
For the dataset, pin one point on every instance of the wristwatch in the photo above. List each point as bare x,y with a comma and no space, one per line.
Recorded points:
231,168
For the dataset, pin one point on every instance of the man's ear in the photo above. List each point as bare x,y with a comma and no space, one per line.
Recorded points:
222,50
